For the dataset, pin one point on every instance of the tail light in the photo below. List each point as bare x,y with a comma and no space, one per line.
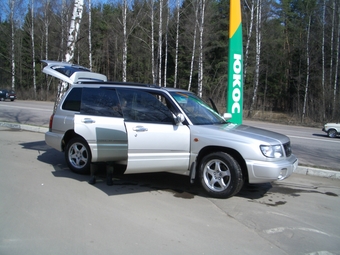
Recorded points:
51,122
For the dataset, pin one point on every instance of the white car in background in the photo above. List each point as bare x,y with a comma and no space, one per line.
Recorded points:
332,129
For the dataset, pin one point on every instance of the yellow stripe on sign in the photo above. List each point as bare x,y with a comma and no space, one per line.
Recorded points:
235,17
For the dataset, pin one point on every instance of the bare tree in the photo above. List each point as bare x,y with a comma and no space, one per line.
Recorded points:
90,34
153,43
250,32
257,55
177,39
124,12
336,106
323,59
166,44
308,69
193,46
160,40
33,50
200,59
74,29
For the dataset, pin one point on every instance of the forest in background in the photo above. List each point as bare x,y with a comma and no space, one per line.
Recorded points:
291,49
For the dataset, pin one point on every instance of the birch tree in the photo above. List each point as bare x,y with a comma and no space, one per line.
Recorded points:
74,29
176,47
90,35
166,44
200,60
160,33
307,71
335,105
257,55
250,32
153,43
124,12
193,46
33,50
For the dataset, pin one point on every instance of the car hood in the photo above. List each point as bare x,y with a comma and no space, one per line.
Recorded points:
241,133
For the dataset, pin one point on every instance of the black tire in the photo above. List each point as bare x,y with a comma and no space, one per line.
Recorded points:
220,175
332,133
78,155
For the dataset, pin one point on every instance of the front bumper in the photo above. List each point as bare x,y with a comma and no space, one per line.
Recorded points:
268,171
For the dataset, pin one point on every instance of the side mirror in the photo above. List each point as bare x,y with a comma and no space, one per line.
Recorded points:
227,116
179,118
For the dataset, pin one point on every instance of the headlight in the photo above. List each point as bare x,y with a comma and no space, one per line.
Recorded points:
272,151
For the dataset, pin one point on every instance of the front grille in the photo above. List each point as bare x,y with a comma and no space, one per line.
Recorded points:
288,149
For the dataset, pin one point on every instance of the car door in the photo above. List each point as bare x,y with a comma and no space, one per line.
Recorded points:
155,143
100,122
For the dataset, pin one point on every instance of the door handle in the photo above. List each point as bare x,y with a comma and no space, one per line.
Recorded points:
140,129
88,121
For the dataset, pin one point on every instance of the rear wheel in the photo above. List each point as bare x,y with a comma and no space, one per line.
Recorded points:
78,155
220,175
332,133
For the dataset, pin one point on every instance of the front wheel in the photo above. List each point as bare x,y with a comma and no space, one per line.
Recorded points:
220,175
332,133
78,155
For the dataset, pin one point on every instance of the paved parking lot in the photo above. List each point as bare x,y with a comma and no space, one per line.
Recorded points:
46,209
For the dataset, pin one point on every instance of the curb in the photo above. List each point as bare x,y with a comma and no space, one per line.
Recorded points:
24,127
303,170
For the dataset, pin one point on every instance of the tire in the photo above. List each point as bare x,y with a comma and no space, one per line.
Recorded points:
220,175
78,156
332,133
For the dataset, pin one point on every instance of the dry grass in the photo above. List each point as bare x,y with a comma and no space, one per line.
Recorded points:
282,118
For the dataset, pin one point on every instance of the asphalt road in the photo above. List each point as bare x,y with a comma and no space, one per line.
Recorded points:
312,147
47,209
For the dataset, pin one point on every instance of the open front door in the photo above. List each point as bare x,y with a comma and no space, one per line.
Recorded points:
101,125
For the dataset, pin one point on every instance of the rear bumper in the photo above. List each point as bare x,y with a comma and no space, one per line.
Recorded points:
54,140
264,171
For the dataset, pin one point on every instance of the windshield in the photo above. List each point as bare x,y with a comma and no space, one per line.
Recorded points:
199,112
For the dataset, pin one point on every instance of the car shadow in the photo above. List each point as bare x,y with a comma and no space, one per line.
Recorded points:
178,185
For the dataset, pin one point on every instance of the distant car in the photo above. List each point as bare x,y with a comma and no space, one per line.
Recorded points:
7,94
12,95
332,129
4,94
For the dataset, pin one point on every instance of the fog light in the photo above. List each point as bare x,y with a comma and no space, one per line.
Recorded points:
283,174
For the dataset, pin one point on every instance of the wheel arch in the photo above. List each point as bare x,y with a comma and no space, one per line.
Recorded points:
67,137
235,154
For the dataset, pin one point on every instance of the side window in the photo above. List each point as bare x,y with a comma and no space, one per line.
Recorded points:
143,106
100,102
72,101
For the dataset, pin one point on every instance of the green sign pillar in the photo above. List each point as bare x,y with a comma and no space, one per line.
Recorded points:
235,72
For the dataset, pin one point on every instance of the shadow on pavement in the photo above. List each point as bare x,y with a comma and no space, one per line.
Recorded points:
176,184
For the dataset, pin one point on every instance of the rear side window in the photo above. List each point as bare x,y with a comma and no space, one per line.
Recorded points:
100,102
143,106
72,101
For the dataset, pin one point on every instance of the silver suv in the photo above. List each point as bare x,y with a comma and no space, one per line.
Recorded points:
141,128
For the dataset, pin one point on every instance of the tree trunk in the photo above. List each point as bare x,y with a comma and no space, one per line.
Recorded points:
166,45
124,41
90,35
248,39
152,43
74,29
33,51
193,47
12,4
177,39
257,57
160,33
200,60
335,104
308,68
